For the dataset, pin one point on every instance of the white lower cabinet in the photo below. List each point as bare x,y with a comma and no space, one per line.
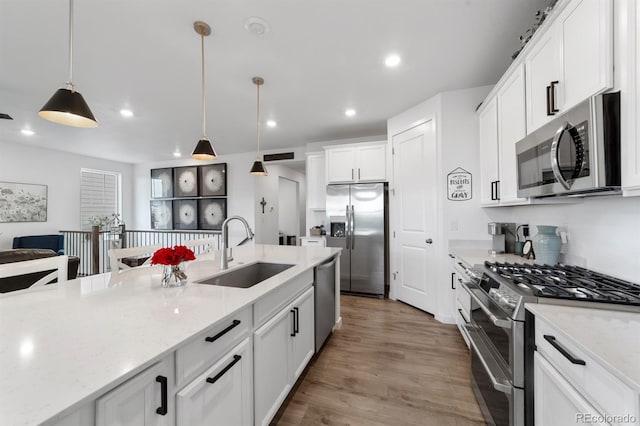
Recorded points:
557,403
282,348
222,395
145,400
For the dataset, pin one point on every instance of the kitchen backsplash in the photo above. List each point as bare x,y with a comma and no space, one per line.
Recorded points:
604,232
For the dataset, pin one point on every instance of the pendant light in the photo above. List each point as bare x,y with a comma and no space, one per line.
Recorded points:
203,149
67,106
258,168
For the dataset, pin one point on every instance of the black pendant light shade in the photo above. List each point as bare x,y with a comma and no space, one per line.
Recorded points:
258,169
204,150
68,107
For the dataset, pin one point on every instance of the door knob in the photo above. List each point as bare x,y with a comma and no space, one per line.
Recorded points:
429,241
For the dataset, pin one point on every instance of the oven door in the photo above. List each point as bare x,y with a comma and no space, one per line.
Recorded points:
501,403
503,335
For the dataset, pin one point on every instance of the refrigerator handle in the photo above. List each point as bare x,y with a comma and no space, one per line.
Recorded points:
347,227
353,228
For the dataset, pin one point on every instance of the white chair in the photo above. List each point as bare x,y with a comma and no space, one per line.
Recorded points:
116,256
201,246
57,265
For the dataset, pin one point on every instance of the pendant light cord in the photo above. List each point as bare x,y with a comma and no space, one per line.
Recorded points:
258,121
204,114
70,82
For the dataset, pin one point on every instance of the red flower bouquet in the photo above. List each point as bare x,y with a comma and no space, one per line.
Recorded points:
172,256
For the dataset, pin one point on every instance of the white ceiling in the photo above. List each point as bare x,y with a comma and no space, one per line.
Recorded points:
320,57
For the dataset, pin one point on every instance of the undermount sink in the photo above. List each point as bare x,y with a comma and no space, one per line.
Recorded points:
247,276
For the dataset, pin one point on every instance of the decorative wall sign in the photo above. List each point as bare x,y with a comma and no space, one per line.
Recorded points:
185,214
459,186
213,180
211,213
162,183
161,214
23,202
185,181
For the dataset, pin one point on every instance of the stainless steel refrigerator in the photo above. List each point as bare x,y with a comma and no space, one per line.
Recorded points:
357,222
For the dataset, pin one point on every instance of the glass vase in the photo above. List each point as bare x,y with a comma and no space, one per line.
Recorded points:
546,245
173,275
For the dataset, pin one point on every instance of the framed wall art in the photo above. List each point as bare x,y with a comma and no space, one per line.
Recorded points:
23,202
185,181
162,183
213,180
185,214
211,213
161,214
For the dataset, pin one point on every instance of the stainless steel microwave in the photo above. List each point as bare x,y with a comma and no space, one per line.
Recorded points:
577,153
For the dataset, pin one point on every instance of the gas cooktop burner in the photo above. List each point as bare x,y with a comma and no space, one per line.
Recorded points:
568,282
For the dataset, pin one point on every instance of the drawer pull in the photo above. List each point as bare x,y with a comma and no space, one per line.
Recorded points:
451,256
297,315
453,287
233,325
552,341
293,323
215,378
462,315
162,410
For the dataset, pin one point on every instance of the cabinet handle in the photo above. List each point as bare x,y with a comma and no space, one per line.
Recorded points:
293,323
358,173
463,318
493,190
453,287
498,190
296,328
563,351
352,178
234,324
451,256
552,90
162,410
215,378
549,112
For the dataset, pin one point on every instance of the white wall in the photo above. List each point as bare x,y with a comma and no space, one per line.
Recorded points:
267,223
240,190
604,232
60,171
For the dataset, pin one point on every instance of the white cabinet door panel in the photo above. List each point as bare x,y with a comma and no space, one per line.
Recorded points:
341,164
542,68
372,163
304,340
489,167
226,401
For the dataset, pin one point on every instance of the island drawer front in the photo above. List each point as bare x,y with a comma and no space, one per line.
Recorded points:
600,387
269,305
199,354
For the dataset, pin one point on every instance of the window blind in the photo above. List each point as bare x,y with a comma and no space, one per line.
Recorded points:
99,195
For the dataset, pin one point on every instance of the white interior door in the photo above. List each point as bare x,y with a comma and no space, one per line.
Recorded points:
414,203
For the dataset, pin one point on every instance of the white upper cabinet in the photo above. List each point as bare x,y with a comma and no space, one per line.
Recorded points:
630,104
570,61
365,162
511,129
488,128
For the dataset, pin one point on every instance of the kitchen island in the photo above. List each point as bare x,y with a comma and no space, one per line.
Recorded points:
62,347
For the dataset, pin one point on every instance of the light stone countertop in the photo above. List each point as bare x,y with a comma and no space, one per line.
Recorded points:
64,345
612,338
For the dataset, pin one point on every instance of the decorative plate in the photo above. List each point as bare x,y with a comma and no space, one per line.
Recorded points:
185,181
213,180
212,212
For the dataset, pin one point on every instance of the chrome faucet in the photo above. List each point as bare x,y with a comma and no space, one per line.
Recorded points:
224,258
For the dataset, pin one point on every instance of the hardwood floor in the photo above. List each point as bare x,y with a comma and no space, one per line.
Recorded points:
389,364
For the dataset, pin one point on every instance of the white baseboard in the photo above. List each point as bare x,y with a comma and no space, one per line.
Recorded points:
446,319
338,324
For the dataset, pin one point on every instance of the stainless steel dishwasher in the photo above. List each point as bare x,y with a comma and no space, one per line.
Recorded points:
325,300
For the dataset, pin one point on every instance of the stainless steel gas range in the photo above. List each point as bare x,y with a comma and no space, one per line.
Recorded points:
499,326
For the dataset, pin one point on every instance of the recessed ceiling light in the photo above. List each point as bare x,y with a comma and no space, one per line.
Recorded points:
126,113
350,112
27,132
177,154
271,123
256,26
392,61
